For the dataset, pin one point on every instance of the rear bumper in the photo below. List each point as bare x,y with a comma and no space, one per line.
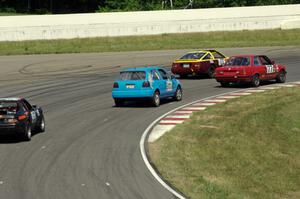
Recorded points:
6,129
186,71
233,78
132,94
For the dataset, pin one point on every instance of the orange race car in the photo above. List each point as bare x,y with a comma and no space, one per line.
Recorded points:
198,63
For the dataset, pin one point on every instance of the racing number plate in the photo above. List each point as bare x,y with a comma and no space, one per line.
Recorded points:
129,86
186,65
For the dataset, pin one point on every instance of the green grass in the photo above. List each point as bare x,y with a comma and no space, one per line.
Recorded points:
158,42
244,148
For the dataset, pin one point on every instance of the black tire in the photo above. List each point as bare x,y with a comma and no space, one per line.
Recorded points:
224,84
27,133
155,99
119,102
281,77
42,125
178,94
255,81
211,72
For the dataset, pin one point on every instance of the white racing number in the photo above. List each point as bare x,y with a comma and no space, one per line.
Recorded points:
169,85
270,69
33,115
221,62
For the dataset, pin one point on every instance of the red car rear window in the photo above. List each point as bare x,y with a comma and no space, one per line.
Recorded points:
238,61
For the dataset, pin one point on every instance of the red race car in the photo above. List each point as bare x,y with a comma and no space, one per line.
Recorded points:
250,69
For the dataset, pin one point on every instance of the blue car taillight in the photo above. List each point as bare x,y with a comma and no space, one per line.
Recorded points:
116,85
146,84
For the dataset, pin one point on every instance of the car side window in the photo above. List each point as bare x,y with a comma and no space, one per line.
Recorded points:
27,105
155,75
256,61
208,56
22,107
217,55
163,74
265,60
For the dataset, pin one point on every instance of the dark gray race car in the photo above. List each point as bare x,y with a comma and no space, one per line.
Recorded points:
19,117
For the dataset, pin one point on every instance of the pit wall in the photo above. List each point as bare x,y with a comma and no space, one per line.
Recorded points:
40,27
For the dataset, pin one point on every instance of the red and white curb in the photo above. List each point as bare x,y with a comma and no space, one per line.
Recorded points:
179,115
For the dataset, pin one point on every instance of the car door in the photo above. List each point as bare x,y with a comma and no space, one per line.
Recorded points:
32,112
259,68
165,83
270,70
207,61
155,79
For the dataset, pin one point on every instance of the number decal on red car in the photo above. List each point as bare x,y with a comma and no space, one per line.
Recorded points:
270,69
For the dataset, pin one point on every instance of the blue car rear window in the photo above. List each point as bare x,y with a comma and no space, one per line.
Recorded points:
132,75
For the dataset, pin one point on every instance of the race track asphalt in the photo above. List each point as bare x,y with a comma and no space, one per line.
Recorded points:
90,148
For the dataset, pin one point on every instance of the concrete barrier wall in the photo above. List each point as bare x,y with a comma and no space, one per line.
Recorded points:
34,27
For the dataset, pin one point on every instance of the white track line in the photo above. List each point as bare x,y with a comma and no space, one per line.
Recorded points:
183,112
178,116
171,121
158,131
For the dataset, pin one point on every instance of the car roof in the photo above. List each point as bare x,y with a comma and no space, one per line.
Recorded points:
246,55
141,68
10,99
198,51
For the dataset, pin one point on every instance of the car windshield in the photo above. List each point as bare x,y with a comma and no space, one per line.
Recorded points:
7,107
132,75
238,61
193,55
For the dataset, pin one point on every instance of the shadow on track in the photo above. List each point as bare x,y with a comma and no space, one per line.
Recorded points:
142,104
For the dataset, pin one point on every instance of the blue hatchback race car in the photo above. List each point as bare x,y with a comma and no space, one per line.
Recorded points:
152,83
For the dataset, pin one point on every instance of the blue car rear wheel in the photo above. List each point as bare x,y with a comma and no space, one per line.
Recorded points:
156,99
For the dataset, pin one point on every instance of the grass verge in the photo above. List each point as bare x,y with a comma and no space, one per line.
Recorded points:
158,42
245,148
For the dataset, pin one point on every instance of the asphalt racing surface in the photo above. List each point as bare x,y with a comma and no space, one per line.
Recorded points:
90,148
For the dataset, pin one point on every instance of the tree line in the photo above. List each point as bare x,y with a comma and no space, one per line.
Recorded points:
87,6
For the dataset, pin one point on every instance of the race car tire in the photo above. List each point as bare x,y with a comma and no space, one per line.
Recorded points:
211,72
156,99
27,133
224,84
119,102
178,94
255,81
42,125
281,77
